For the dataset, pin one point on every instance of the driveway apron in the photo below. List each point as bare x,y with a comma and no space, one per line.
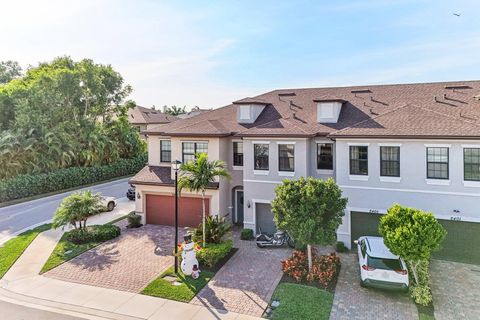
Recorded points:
354,302
127,263
246,282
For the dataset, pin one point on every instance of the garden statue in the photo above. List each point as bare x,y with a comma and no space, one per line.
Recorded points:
189,263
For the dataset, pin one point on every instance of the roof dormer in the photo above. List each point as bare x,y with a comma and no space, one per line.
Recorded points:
328,110
249,109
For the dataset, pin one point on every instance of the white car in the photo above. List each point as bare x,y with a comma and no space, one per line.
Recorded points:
109,203
379,267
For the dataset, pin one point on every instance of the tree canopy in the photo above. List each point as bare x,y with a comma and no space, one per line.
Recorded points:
9,70
310,210
77,208
65,113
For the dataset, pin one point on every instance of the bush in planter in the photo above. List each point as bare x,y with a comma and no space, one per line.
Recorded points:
215,229
340,247
324,267
95,233
134,220
246,234
212,253
421,294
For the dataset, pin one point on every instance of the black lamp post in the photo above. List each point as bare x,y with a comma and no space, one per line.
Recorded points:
176,166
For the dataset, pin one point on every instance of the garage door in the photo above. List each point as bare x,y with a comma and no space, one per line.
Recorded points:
364,224
161,210
461,242
264,216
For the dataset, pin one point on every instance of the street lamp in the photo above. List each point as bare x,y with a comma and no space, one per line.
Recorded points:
176,166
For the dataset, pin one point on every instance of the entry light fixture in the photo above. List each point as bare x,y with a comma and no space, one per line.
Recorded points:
248,204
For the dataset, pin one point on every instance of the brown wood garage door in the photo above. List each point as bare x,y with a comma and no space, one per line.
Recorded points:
161,210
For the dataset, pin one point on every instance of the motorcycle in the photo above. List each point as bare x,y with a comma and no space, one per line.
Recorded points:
278,239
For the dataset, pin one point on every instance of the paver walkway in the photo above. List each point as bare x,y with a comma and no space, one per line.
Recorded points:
246,282
354,302
127,263
456,290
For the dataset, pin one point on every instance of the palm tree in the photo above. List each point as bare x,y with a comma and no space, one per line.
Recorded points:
196,175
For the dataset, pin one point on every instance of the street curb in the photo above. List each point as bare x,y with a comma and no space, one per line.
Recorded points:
61,308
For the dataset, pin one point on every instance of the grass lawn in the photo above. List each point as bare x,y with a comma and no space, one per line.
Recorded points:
13,248
298,301
184,292
66,250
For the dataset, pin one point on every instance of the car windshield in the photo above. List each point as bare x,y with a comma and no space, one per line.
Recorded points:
385,264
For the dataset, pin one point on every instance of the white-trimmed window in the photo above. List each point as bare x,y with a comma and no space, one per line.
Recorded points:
286,157
471,164
165,151
390,161
359,160
260,154
325,156
238,153
437,163
190,149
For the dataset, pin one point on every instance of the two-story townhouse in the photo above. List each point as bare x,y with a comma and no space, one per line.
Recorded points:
413,144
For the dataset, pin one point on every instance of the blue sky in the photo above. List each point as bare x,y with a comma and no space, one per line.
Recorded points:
209,53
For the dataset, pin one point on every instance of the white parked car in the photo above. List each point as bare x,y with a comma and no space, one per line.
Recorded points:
379,267
109,203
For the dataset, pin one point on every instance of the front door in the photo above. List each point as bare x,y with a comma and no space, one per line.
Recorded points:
239,206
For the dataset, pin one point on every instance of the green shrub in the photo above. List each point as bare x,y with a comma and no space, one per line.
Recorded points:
246,234
340,247
215,229
96,233
213,253
134,220
421,294
23,186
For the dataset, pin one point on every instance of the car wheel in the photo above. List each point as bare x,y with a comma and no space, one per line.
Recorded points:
362,283
110,206
260,245
291,243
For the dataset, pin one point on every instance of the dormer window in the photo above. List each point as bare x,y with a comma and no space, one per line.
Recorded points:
249,109
244,112
328,110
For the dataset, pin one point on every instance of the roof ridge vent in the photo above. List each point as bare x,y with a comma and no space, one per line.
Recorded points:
457,87
286,94
359,91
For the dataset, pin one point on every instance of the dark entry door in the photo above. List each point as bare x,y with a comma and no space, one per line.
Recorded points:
239,206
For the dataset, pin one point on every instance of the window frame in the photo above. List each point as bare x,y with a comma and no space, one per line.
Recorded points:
436,162
255,157
382,162
195,149
464,164
162,150
319,146
351,160
288,158
236,164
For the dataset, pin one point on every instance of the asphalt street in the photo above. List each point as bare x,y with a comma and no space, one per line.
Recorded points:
10,311
18,217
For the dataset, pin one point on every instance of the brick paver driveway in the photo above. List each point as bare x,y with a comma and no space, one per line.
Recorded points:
246,282
354,302
456,290
126,263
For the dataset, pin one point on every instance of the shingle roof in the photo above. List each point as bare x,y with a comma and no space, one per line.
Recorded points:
158,176
141,115
292,112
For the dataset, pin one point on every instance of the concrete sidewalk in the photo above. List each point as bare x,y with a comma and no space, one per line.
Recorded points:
23,284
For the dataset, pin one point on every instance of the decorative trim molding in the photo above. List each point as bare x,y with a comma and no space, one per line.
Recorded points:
386,144
413,191
358,177
360,144
286,174
390,179
261,172
438,145
471,184
438,182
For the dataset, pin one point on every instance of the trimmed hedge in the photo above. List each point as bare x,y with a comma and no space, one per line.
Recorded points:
95,233
213,253
23,186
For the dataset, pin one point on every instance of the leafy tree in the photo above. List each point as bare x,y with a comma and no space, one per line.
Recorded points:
198,174
77,208
411,234
175,111
9,70
310,210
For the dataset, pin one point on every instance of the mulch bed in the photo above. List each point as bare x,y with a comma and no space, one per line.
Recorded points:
330,288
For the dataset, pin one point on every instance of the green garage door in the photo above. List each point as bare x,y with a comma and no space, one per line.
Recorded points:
461,242
363,224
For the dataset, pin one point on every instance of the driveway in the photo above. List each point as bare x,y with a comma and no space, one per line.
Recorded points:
354,302
456,290
127,263
246,282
